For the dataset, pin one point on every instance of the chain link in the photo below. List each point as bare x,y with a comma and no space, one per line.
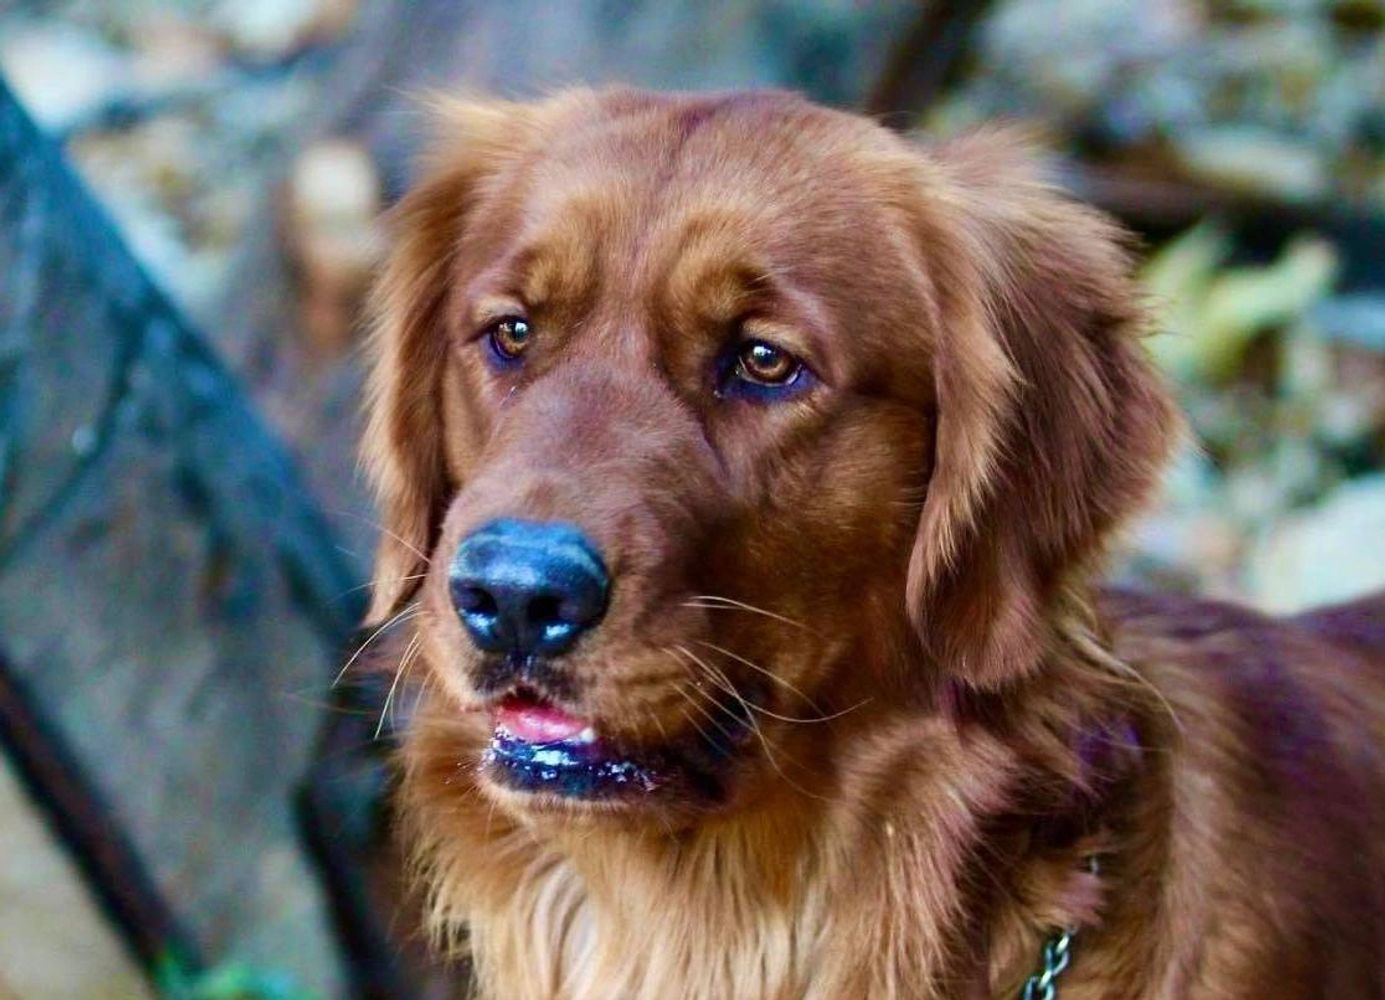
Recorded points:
1057,954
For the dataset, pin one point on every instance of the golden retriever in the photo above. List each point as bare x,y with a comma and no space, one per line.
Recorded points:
745,468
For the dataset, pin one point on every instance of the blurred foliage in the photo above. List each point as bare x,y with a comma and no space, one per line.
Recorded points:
1285,409
178,114
229,981
1279,364
1217,310
1269,97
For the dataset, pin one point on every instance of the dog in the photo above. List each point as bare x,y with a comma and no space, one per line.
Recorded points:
745,469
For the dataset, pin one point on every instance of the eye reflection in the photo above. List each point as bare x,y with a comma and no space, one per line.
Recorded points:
761,362
510,337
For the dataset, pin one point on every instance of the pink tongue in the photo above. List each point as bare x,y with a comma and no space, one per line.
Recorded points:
537,723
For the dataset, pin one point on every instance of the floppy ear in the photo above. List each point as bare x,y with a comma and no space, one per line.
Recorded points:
402,448
1052,424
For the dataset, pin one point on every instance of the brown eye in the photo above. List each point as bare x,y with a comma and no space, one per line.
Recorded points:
509,337
758,361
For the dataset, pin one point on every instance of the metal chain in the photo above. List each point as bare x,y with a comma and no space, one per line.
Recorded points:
1057,954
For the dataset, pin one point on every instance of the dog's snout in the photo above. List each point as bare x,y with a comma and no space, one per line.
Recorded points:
528,587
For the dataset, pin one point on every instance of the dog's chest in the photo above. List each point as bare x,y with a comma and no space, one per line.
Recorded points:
564,938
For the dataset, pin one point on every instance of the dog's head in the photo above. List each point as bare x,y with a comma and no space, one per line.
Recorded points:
700,420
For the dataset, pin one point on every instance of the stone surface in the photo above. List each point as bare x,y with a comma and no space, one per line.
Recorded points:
61,71
167,590
1324,555
54,943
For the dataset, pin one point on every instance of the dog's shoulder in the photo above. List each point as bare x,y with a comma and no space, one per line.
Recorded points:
1275,770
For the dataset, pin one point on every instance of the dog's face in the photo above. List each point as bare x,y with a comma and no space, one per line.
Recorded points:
697,418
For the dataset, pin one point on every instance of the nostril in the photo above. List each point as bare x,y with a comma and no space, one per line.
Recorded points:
546,609
474,600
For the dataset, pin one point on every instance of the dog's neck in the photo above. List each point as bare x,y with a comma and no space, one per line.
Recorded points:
954,842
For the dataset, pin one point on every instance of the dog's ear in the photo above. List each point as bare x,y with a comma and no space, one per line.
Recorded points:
402,447
1052,424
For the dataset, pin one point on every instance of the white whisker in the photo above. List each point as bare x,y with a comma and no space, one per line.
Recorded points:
407,612
756,667
372,583
712,673
718,677
715,602
383,530
406,663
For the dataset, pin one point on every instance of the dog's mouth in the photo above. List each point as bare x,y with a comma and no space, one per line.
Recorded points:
536,746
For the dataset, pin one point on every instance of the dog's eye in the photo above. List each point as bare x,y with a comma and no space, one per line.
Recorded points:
761,372
765,364
509,337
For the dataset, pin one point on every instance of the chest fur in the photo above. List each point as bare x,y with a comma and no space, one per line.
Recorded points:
567,935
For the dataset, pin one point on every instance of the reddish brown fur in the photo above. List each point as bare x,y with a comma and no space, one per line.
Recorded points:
972,722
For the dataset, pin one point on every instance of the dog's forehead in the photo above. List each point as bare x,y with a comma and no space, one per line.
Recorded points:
771,157
681,197
726,134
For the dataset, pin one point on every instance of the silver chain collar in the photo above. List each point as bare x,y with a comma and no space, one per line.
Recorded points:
1057,954
1055,957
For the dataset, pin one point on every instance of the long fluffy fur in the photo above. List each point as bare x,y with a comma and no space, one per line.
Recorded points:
918,544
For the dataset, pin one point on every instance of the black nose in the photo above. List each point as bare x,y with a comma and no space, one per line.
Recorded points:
528,587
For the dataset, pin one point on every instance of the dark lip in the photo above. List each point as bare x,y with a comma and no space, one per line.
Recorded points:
571,769
600,772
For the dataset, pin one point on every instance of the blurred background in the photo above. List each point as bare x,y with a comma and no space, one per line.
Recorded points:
189,194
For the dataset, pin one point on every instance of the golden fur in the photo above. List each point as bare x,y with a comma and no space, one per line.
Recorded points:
891,570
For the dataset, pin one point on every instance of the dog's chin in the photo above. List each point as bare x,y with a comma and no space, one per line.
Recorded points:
542,761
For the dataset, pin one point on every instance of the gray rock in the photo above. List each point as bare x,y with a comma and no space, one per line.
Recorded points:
62,71
166,586
1329,553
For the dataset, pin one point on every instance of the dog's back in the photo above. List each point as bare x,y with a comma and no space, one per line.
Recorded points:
1277,783
1358,626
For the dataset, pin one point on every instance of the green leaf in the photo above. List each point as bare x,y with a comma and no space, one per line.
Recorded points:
229,981
1212,313
1177,278
1246,301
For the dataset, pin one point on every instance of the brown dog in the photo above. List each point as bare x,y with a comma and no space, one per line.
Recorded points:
744,468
